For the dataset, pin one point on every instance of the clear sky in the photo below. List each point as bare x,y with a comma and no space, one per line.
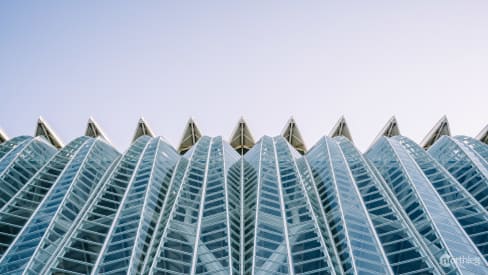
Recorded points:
265,60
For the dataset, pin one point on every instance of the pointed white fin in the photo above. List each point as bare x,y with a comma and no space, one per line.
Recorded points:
293,136
341,129
390,129
441,128
3,136
241,138
191,135
483,135
94,130
44,130
142,129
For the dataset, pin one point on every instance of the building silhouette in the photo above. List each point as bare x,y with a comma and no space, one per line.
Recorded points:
242,206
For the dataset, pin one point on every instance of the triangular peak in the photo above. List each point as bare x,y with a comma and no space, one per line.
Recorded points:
441,128
241,138
44,130
483,135
293,136
191,135
341,129
94,130
142,129
390,129
3,136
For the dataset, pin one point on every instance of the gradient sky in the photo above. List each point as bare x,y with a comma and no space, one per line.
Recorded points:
265,60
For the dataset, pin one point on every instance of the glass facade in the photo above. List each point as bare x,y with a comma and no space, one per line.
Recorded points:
243,207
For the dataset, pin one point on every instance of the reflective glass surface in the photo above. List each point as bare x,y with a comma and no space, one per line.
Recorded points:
214,208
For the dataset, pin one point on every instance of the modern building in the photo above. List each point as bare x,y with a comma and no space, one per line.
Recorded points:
273,206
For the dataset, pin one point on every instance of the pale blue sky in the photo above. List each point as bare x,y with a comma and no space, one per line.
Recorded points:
264,60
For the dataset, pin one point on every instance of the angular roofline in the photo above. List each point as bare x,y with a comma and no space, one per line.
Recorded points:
94,130
43,129
390,129
292,134
483,135
241,138
341,129
3,136
440,128
191,135
142,129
